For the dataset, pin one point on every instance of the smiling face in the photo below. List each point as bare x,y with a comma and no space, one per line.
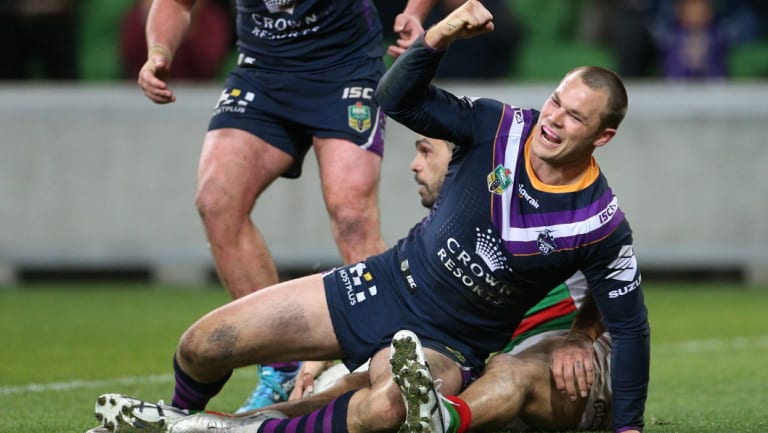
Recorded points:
430,165
570,127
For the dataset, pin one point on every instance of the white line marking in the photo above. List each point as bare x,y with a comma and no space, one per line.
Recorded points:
690,346
712,344
79,384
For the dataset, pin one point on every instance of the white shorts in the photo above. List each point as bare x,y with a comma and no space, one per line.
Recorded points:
599,403
598,407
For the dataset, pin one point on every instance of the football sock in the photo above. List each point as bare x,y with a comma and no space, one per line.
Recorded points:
284,366
329,419
460,416
191,394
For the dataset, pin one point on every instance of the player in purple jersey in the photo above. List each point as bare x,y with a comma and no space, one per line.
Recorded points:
516,391
295,56
525,208
544,202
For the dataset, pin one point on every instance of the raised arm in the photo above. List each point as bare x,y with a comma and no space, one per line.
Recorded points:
167,25
467,21
406,94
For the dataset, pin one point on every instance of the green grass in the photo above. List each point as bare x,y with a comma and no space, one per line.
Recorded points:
64,345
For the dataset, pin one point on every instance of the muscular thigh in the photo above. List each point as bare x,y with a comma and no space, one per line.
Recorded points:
348,132
349,174
286,321
237,165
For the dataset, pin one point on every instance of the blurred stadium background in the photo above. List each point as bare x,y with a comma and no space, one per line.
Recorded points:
100,231
97,182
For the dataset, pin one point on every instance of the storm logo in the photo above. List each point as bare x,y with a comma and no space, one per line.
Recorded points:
546,242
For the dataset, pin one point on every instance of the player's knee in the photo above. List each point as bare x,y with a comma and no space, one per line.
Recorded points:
503,368
352,222
381,413
393,412
210,200
219,211
201,349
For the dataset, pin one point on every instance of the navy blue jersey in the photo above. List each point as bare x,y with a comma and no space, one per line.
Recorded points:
498,239
308,35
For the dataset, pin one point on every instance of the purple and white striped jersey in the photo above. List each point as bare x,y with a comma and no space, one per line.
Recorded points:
498,240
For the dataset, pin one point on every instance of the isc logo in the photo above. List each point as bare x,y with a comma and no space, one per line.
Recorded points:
608,212
357,92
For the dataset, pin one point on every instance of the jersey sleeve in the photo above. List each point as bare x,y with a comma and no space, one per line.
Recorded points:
615,279
406,94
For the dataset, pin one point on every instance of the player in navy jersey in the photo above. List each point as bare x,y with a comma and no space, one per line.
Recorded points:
305,78
525,208
532,191
516,391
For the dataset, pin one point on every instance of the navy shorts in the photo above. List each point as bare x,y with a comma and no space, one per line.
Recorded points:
287,109
369,306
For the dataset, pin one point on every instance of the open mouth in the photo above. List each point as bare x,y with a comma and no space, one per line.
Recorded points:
549,135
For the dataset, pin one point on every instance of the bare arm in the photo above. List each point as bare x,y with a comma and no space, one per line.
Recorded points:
572,366
167,25
408,25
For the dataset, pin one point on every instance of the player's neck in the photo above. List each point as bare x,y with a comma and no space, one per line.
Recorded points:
561,177
558,175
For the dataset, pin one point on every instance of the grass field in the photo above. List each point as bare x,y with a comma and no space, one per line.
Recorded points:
63,345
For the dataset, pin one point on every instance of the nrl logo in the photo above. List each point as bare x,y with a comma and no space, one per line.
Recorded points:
359,117
546,242
275,6
499,180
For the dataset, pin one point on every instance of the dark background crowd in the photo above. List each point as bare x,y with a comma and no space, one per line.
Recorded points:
656,39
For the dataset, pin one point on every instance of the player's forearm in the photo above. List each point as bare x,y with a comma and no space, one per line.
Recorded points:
402,89
588,321
468,20
440,36
406,94
630,360
629,380
167,24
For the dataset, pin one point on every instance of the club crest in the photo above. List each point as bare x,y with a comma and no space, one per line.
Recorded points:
499,180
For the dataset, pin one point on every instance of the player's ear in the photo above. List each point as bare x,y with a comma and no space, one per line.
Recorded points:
603,137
